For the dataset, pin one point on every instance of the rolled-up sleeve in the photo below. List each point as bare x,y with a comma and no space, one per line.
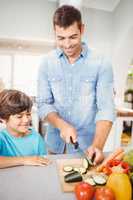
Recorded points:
45,99
105,93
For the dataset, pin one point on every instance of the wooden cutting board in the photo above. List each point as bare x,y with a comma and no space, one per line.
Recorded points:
69,187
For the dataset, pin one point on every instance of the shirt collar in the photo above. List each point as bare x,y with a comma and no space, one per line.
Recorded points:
83,52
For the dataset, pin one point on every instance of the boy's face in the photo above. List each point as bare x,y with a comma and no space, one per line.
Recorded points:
19,123
69,39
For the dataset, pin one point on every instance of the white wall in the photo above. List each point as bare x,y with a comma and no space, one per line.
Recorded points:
99,32
33,19
106,31
26,19
123,45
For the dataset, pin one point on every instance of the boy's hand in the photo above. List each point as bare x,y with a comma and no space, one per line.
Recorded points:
35,160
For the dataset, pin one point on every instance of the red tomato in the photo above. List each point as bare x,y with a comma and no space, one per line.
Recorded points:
104,193
84,191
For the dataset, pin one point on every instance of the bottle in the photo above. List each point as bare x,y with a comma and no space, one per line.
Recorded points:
128,102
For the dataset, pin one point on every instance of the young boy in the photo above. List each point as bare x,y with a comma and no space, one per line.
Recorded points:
19,143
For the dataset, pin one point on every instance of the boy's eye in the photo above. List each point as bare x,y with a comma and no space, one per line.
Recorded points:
28,115
73,37
19,116
60,38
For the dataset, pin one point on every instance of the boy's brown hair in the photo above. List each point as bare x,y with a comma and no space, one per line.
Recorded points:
66,15
13,102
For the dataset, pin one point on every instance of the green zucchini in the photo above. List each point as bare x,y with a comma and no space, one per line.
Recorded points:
82,170
90,181
87,163
67,168
73,177
99,179
76,169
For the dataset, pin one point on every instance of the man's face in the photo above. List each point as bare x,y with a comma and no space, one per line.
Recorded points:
69,39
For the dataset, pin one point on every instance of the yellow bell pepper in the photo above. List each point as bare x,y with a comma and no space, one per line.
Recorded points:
121,186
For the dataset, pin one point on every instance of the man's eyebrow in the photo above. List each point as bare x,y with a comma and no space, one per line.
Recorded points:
60,36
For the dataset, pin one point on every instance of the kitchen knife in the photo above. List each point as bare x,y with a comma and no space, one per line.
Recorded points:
82,153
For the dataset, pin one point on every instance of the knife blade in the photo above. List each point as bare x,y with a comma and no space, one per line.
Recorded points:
77,147
81,152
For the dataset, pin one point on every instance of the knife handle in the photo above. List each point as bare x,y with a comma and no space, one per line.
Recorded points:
93,157
76,144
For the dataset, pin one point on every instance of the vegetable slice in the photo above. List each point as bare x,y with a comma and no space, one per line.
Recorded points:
90,180
85,163
111,156
82,170
73,177
68,168
99,179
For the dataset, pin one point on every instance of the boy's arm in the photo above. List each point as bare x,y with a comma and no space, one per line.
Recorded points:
19,161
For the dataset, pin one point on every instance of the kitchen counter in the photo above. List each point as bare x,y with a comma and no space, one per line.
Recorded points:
124,112
33,182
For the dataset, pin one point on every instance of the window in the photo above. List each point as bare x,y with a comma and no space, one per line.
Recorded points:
25,73
5,71
19,71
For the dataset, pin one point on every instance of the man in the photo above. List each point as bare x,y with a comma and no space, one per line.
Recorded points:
75,91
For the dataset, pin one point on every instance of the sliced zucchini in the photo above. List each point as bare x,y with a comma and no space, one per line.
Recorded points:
76,169
73,177
90,162
82,170
99,179
85,163
90,181
68,168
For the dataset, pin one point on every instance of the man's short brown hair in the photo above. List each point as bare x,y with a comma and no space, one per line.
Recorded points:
66,15
13,102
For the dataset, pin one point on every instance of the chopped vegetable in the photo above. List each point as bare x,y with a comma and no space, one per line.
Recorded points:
90,162
99,179
116,166
82,170
68,168
85,163
76,169
111,156
90,180
73,177
96,179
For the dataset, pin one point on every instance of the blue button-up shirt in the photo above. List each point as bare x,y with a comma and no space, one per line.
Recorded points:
82,94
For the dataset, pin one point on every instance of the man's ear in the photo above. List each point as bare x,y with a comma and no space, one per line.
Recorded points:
82,29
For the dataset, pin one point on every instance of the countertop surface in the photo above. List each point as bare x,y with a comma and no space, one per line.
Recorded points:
33,182
124,112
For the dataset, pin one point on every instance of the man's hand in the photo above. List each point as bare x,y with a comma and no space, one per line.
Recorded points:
96,153
35,160
68,131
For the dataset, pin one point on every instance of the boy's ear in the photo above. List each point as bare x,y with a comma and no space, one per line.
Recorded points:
2,121
82,28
